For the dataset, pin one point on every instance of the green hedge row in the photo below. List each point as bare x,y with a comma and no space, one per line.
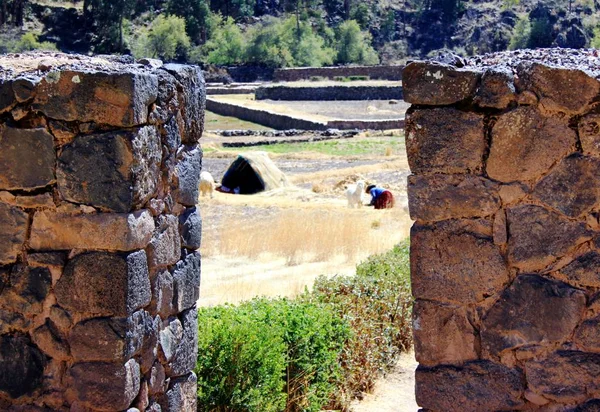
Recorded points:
317,351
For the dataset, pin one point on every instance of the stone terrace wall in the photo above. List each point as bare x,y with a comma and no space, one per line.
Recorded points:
328,93
505,250
305,73
99,273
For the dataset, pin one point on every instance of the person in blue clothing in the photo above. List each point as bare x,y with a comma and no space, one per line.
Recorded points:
380,198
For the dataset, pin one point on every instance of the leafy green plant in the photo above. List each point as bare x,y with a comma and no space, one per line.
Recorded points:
268,355
227,45
520,36
165,39
29,41
354,46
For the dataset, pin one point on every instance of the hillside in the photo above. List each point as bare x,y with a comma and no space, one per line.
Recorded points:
399,29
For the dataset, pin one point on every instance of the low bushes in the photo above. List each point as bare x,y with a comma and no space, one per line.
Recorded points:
317,351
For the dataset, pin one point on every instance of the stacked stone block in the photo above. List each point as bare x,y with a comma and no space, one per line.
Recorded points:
505,250
99,230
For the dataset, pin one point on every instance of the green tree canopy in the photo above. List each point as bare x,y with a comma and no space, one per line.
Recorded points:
354,46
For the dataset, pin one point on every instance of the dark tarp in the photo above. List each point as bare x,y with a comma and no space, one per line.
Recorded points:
253,172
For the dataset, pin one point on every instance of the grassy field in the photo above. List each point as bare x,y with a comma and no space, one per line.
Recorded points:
213,121
376,144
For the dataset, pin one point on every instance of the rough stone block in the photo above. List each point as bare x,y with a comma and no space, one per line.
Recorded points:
189,164
437,84
478,386
445,141
582,272
537,236
449,264
165,247
105,284
48,338
587,335
26,290
186,281
497,88
191,95
11,321
181,395
24,87
572,187
7,96
186,351
13,230
26,158
21,365
61,319
41,201
589,406
443,334
55,262
559,89
169,338
565,376
162,294
105,386
190,228
589,134
104,339
56,230
116,99
158,380
532,311
525,144
115,171
440,197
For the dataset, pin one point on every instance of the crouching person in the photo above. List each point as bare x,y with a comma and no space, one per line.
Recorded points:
380,198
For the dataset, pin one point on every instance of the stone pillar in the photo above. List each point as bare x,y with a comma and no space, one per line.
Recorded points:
99,231
505,258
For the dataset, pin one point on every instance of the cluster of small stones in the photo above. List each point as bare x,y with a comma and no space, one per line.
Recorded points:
505,251
99,269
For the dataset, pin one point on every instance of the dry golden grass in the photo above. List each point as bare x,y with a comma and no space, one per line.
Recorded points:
308,235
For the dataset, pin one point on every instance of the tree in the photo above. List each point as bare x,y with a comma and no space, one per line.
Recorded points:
226,47
541,33
108,16
196,14
520,36
12,12
353,46
166,39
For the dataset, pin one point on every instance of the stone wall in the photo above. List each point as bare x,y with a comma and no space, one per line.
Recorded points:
99,269
305,73
505,250
329,93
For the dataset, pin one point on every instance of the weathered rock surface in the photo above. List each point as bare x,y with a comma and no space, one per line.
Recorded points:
442,334
25,290
548,312
525,145
21,365
497,88
186,282
185,353
181,395
454,266
105,386
538,236
582,272
475,387
165,247
50,341
440,197
13,230
104,231
565,376
116,99
105,284
587,335
192,100
559,89
190,228
437,84
26,158
445,140
589,134
189,164
115,171
572,187
162,294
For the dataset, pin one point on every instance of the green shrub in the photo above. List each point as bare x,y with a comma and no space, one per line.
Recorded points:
520,36
165,39
227,45
26,42
353,45
268,355
377,305
358,78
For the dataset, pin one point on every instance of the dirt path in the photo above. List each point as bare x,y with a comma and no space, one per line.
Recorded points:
393,393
